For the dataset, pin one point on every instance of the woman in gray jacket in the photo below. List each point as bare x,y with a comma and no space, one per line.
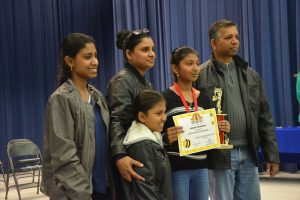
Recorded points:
76,126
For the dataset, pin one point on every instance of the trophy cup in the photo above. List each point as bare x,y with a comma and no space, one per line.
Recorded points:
224,139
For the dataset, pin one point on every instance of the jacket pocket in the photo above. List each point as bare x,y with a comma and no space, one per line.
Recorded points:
59,192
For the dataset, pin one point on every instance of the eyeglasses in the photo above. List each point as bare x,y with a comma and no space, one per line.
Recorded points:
137,32
140,31
131,36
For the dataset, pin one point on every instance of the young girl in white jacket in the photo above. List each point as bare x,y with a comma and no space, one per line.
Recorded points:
144,143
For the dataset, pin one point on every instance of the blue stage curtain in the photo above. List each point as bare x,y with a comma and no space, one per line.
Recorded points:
294,50
136,14
30,36
32,30
269,33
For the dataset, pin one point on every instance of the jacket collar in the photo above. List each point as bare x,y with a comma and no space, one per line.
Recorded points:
71,86
239,62
139,132
136,73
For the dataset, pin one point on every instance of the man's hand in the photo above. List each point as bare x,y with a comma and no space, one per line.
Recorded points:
224,125
172,133
124,166
272,168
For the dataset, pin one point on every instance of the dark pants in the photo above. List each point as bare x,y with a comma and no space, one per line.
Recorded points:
101,196
118,192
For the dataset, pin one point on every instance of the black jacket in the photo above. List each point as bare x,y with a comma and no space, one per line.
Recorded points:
156,171
147,147
122,89
260,125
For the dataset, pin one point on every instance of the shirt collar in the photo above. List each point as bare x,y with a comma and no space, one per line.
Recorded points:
225,66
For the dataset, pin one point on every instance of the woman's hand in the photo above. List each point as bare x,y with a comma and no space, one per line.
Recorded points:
124,166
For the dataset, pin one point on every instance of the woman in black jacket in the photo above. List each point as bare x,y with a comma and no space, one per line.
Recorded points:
138,50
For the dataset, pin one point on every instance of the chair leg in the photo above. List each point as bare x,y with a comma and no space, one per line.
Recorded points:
33,175
39,181
7,183
3,174
17,185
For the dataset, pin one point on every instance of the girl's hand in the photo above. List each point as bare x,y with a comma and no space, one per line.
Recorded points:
172,133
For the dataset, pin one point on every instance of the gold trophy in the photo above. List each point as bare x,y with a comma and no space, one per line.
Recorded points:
224,139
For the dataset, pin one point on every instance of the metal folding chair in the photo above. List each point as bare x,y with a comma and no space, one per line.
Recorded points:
25,160
3,174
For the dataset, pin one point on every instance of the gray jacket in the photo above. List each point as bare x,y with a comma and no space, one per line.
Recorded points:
69,143
260,125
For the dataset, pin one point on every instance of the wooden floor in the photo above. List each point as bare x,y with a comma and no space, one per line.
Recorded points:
285,186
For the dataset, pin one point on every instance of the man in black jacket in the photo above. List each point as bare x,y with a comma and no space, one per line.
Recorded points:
234,173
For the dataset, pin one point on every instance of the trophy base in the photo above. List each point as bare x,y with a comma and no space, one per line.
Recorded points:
226,146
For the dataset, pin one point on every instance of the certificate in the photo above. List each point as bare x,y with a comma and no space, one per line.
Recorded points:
201,131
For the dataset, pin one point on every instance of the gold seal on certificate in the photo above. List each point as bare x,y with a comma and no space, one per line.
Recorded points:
200,131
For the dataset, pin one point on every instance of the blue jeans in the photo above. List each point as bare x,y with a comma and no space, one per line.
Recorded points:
238,183
190,184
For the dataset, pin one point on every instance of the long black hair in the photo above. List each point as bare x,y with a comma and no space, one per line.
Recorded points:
70,46
130,39
180,53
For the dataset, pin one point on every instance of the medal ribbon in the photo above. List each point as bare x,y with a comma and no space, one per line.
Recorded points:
178,90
